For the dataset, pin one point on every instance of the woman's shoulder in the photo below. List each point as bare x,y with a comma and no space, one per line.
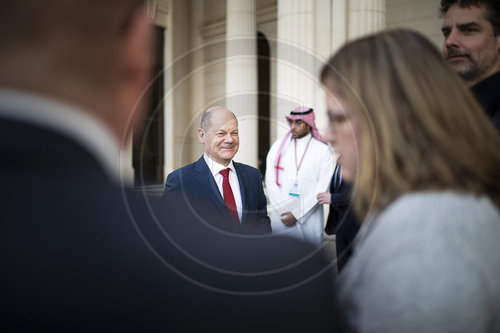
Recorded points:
434,255
441,207
439,222
431,252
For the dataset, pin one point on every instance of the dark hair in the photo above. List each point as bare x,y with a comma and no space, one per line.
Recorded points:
417,135
492,8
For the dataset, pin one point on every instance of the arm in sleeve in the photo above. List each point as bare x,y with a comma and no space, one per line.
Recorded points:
264,221
172,185
342,198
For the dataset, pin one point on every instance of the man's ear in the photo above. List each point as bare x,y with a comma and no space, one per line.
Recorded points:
138,49
133,69
201,135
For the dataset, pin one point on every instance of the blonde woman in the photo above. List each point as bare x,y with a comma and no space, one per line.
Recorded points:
425,162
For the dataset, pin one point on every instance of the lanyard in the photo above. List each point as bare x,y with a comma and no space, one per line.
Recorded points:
303,155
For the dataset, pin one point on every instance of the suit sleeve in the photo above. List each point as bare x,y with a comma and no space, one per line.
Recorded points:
172,185
342,198
264,221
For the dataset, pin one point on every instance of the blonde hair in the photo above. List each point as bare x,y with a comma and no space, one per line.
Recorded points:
421,127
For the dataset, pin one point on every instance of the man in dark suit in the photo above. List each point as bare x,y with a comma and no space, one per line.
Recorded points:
341,220
233,189
79,251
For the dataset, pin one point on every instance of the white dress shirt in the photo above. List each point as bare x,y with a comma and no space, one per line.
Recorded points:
215,169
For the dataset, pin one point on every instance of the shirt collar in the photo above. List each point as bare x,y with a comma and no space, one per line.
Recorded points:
66,119
305,138
215,167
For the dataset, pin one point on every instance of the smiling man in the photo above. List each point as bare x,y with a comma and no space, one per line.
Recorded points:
300,165
471,45
231,193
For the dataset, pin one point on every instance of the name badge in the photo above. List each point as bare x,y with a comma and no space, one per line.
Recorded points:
294,191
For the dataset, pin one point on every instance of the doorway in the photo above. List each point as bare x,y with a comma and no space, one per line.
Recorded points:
264,98
148,151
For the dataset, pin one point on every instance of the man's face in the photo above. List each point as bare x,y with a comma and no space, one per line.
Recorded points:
299,128
470,46
220,140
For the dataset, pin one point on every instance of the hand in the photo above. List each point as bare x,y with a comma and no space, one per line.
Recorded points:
288,219
324,198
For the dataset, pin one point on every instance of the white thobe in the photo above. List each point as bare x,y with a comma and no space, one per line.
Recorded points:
312,177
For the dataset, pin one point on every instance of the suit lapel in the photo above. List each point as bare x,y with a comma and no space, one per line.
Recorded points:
243,189
207,182
337,178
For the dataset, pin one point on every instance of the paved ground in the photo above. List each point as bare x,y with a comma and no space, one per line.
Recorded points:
329,246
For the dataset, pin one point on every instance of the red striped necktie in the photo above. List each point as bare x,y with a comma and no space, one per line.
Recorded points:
228,195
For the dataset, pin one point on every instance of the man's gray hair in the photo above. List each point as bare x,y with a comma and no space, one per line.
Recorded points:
206,118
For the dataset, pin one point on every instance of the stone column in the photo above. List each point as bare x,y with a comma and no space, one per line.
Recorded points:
296,65
198,75
241,75
365,17
339,24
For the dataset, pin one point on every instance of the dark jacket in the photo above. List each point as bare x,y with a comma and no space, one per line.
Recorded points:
195,184
342,222
488,94
80,253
